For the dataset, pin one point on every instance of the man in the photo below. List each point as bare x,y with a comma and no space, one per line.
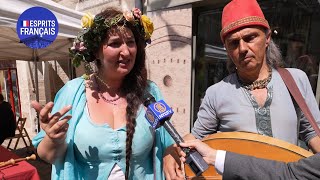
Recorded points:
231,165
7,122
253,98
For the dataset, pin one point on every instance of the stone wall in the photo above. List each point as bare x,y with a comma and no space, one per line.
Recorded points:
169,54
27,94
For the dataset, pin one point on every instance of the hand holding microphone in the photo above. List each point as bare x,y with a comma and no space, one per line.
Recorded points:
158,114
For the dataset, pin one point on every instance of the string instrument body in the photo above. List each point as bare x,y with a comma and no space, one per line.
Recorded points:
249,144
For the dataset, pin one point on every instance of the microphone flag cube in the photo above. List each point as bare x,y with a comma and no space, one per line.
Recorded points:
157,113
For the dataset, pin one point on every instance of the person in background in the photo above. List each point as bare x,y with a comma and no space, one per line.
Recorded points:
253,98
230,165
309,65
7,121
96,127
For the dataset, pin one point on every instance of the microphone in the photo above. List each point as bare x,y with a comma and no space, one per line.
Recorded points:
158,114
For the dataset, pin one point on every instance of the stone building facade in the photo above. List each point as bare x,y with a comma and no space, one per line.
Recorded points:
186,54
169,55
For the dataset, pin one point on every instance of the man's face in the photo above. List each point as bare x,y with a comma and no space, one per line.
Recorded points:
247,47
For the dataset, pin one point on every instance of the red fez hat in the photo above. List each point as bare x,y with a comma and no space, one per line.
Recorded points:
240,13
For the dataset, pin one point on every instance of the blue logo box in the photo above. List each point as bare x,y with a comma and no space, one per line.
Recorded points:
158,112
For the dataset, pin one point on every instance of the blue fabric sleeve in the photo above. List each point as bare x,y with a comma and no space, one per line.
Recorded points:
72,93
62,99
57,105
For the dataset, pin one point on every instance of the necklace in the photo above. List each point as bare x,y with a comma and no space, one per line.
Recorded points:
102,81
109,101
258,84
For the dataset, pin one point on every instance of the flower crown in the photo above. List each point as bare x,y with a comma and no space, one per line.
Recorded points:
94,28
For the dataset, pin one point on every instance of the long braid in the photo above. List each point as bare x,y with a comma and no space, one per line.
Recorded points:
131,123
134,99
133,86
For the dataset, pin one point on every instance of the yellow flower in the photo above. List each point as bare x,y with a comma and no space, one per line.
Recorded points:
87,20
147,25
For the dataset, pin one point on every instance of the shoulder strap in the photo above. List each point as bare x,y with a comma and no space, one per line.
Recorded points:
294,90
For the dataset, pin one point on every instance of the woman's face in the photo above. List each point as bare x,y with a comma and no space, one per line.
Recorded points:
118,53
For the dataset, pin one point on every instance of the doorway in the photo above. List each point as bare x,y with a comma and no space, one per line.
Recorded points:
9,88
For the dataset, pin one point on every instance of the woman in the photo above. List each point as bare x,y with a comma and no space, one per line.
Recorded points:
97,128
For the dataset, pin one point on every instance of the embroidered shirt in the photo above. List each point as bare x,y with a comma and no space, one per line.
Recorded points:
226,108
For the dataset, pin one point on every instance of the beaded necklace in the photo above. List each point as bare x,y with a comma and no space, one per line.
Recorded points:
258,84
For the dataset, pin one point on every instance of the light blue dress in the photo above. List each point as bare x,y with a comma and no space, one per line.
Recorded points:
93,149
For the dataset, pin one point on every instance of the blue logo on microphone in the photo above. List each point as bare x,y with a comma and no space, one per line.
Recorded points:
159,107
37,27
158,112
150,117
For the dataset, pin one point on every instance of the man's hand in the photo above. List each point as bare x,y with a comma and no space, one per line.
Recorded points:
172,165
314,144
208,154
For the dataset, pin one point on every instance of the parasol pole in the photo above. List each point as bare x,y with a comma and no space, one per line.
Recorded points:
35,60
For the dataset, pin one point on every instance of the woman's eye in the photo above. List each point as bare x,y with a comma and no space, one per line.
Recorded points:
131,42
114,44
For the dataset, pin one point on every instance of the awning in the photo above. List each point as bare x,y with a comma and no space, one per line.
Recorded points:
10,46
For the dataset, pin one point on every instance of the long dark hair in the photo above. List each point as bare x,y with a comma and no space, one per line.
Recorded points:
134,83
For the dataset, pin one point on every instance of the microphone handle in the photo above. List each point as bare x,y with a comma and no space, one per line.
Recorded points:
175,135
173,132
193,158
